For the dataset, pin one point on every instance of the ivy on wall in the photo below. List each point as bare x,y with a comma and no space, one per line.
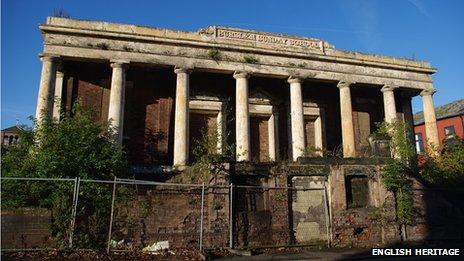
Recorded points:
395,173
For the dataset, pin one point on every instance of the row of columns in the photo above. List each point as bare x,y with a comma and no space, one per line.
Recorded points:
51,84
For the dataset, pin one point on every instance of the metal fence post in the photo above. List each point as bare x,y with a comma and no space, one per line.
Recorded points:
231,217
111,217
202,211
77,183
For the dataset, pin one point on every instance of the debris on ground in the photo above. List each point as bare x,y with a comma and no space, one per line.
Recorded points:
157,246
172,254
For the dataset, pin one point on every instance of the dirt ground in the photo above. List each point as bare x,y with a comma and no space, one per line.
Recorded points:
282,253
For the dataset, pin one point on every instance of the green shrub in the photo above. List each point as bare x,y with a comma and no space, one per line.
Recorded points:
395,173
250,59
447,168
215,54
76,146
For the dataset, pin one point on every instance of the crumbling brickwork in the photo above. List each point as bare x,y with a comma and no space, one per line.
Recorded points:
170,213
270,215
261,215
26,228
260,142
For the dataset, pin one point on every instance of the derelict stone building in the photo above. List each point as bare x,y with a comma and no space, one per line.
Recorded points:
274,95
271,95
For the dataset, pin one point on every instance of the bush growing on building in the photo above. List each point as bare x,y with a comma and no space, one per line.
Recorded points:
76,146
206,157
447,169
395,173
250,59
60,12
439,169
215,54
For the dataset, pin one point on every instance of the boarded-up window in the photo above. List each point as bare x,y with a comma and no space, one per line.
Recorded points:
259,139
309,132
362,126
90,95
203,130
357,191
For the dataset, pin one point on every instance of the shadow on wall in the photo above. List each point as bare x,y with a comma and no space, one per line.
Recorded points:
440,214
438,224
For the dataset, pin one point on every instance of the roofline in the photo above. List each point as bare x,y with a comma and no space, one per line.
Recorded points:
57,24
441,118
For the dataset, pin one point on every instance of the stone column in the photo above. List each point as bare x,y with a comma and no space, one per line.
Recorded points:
242,119
430,120
319,132
297,121
389,104
273,136
221,129
117,96
181,121
58,101
346,111
408,117
46,87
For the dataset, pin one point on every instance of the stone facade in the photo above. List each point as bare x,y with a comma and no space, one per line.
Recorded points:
277,94
275,97
338,202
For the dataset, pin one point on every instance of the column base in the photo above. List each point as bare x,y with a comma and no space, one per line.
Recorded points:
179,167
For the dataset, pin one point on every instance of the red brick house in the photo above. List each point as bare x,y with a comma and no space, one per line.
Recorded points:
450,123
10,135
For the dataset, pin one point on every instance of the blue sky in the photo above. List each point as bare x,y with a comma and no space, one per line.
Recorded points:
431,30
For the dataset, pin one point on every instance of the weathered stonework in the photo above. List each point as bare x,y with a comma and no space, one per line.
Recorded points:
298,204
206,60
278,98
101,40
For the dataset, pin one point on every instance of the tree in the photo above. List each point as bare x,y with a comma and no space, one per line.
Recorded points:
447,168
75,146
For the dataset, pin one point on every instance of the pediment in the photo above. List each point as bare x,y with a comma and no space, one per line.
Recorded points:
260,96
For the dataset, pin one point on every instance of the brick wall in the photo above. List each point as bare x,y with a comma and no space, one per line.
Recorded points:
202,126
457,122
361,226
261,215
173,213
149,117
309,132
260,139
26,228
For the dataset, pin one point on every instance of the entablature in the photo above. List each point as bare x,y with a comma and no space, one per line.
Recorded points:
212,49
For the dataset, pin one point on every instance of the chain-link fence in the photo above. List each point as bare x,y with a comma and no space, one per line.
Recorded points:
134,215
27,212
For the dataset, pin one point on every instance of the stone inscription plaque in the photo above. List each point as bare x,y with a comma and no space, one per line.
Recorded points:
265,38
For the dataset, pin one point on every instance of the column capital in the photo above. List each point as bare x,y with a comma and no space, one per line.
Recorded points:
48,57
344,84
241,74
427,92
59,74
388,88
186,70
59,68
119,63
294,79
